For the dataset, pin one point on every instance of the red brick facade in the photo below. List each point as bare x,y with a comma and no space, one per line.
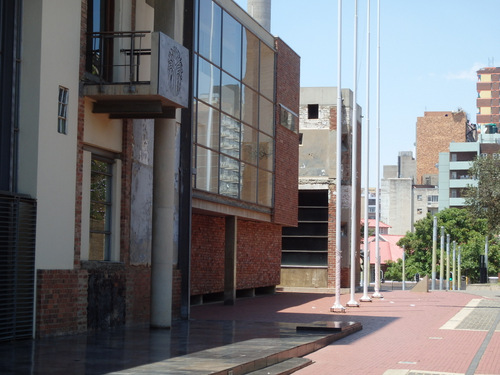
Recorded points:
61,302
64,296
258,254
287,141
435,132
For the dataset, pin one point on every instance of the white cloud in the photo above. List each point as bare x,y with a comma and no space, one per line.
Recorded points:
469,75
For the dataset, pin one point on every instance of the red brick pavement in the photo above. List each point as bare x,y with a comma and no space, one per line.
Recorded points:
400,331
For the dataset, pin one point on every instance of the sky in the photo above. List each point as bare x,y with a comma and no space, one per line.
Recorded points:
429,53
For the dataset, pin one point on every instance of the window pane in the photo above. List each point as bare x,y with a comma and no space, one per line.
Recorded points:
266,116
97,249
266,71
208,83
230,136
229,176
207,169
100,209
210,31
266,151
250,106
231,93
207,126
250,59
265,192
248,183
249,146
231,46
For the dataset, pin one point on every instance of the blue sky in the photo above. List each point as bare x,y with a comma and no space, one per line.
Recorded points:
430,51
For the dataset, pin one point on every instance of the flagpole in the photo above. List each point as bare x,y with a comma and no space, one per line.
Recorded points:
337,307
366,247
354,165
377,294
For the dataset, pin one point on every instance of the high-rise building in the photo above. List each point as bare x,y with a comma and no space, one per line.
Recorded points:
435,132
488,100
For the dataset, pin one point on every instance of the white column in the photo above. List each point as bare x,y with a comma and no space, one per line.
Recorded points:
165,170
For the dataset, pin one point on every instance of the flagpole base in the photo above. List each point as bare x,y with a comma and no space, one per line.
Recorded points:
352,303
365,298
337,308
377,295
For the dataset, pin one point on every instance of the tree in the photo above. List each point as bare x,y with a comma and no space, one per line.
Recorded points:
467,231
483,199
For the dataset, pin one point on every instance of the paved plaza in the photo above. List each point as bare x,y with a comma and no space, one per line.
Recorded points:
403,333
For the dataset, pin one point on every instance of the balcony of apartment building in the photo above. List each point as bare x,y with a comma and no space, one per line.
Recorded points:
136,74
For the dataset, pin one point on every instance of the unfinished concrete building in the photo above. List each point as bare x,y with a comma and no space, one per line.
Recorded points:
308,257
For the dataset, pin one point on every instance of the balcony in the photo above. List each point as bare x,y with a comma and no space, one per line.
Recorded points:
136,74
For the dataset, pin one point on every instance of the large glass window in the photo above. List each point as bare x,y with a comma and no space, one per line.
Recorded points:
210,28
231,46
235,112
100,209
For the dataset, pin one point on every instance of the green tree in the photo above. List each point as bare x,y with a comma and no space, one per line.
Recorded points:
483,198
467,231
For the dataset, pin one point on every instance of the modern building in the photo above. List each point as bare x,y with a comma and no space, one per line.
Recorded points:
309,251
403,202
454,168
148,160
372,203
435,131
488,100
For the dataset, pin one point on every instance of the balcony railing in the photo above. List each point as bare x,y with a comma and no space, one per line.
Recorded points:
136,74
116,57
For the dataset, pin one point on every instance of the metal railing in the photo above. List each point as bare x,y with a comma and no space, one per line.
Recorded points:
115,57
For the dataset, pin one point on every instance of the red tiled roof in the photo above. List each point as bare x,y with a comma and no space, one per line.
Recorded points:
388,248
372,223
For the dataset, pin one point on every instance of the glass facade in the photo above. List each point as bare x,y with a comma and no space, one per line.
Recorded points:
234,112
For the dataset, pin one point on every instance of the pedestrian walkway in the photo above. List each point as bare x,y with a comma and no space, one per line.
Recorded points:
403,333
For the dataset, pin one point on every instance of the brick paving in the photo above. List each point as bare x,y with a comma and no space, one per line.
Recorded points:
401,333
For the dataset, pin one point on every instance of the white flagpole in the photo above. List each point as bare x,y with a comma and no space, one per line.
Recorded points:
366,255
377,294
354,164
337,307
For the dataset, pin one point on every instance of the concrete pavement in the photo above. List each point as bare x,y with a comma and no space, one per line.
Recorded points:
403,333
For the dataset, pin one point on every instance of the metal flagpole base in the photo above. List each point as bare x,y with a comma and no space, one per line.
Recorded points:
377,295
365,298
352,303
337,308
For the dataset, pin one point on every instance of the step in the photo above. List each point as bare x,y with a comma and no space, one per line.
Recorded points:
286,367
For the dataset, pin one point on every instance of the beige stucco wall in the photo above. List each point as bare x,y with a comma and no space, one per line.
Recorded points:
47,159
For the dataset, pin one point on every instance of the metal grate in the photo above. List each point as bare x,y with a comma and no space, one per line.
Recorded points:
17,265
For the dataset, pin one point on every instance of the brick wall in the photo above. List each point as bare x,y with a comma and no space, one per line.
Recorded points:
138,294
435,132
61,302
287,141
258,254
207,254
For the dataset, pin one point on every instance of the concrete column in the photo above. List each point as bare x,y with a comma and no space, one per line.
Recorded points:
230,260
165,191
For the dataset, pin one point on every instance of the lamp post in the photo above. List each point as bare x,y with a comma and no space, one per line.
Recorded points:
434,246
377,293
447,262
337,306
354,165
441,261
366,255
